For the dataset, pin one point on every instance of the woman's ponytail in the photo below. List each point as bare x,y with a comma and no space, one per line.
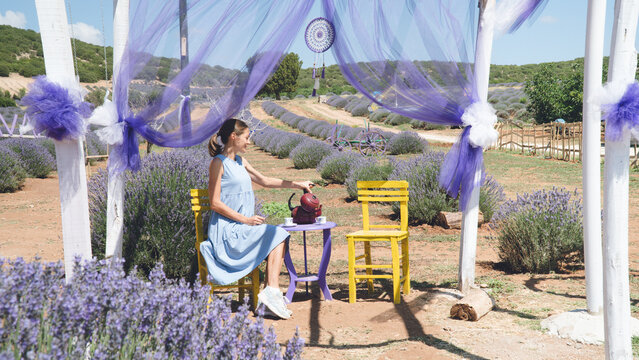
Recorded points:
229,126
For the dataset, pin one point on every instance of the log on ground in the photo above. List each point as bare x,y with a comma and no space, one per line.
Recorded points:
472,306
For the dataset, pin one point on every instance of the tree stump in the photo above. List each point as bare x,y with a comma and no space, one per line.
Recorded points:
453,220
472,306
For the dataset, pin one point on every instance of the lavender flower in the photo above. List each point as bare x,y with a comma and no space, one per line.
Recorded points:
102,313
537,232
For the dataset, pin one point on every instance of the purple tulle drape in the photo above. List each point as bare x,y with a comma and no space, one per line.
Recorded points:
234,47
416,59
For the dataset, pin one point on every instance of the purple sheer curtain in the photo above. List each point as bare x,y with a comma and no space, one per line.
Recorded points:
234,47
416,59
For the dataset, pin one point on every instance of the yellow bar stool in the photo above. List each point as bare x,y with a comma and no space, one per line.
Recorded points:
380,191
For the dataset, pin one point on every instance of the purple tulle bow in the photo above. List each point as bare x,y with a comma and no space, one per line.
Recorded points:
54,112
459,168
623,115
126,156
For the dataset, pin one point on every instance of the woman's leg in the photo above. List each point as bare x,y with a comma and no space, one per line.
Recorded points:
274,265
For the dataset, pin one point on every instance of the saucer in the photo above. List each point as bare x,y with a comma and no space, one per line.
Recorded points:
290,225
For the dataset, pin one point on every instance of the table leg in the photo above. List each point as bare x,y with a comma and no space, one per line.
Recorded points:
291,273
305,262
326,257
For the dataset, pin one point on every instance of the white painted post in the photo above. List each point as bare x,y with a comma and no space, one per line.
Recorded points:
591,143
74,199
622,66
115,195
468,247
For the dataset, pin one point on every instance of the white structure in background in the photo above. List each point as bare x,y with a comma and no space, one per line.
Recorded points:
468,247
74,200
593,67
115,195
621,69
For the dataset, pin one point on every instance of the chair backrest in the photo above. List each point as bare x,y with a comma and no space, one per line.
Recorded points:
200,204
384,191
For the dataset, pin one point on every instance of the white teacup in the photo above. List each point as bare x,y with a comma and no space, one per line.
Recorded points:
321,219
288,221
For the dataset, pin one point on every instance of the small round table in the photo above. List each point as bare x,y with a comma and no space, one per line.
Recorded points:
326,257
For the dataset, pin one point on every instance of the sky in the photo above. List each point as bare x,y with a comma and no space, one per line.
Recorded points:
558,33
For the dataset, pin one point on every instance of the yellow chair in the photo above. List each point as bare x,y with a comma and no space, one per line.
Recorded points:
380,191
200,204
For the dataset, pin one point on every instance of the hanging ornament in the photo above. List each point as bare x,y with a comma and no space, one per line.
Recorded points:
319,36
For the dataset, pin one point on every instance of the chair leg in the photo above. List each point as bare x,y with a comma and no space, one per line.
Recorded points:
351,270
255,275
241,283
395,252
369,271
405,267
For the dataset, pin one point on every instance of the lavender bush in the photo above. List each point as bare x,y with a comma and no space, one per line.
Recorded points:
336,166
104,314
287,143
426,197
308,153
158,221
367,169
406,142
34,158
538,232
491,196
12,175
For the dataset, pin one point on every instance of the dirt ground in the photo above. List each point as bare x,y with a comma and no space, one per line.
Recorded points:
373,327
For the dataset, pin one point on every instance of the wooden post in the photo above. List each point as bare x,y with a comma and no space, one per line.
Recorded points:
74,198
622,67
468,246
115,196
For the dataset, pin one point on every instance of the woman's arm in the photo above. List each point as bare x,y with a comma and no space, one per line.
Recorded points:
270,182
215,178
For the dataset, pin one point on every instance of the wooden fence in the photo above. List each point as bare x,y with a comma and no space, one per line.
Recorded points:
552,141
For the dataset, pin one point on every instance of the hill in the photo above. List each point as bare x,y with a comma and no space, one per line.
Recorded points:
21,52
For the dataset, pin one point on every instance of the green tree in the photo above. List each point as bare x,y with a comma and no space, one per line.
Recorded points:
284,79
556,95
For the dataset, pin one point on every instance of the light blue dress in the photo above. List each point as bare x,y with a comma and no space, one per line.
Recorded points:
234,249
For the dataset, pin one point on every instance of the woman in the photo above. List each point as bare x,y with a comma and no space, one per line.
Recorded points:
238,239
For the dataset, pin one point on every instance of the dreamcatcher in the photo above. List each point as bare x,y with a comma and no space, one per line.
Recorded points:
319,36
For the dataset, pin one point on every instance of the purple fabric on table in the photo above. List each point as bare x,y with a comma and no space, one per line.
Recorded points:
372,54
54,112
235,47
623,115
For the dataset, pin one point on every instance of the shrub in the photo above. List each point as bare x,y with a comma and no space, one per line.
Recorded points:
360,110
12,175
379,115
158,221
102,313
47,144
426,197
275,212
34,158
406,142
340,103
538,232
491,196
286,144
336,166
367,169
309,153
397,119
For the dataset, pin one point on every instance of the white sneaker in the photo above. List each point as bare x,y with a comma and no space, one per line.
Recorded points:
272,299
268,312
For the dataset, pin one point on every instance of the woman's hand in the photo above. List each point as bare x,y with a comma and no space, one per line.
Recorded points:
255,220
304,185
